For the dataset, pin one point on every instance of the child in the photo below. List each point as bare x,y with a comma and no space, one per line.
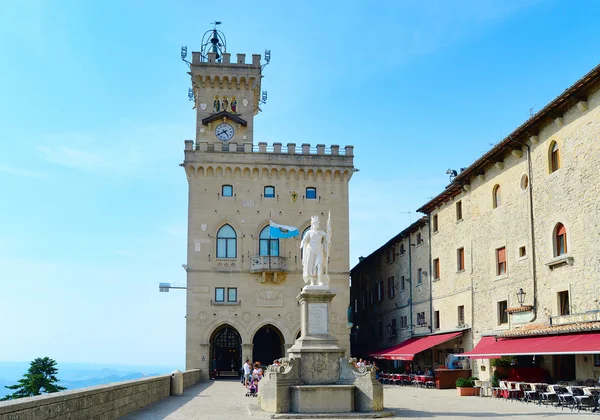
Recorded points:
252,389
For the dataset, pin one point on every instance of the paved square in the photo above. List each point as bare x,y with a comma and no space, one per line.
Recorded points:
222,400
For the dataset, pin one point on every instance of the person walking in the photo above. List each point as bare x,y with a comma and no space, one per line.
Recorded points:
247,372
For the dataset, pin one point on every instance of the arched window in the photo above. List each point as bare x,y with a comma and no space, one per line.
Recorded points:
311,193
269,192
226,242
496,196
560,240
554,157
268,246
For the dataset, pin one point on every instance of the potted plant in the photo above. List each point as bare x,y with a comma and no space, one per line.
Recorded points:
466,388
502,366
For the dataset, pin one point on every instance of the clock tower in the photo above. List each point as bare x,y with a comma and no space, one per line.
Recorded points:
242,283
227,93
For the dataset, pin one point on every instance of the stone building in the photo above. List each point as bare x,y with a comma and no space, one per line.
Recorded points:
513,252
241,282
390,297
521,223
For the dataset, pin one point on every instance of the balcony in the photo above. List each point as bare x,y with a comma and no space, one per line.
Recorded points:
271,267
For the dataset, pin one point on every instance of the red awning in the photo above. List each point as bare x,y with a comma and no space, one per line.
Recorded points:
407,349
490,348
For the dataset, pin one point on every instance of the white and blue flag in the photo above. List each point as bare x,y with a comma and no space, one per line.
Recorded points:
282,231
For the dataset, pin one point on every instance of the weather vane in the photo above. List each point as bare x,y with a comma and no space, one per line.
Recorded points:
214,41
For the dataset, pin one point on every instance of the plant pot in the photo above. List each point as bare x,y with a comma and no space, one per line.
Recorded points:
468,392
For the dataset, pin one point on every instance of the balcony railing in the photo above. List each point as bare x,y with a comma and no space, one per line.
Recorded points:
268,264
590,316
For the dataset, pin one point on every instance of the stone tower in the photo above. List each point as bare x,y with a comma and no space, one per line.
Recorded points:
241,282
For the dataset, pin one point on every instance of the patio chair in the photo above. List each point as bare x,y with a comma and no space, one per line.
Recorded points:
504,389
529,393
478,384
405,379
541,388
430,382
549,396
496,391
486,389
564,396
514,390
581,400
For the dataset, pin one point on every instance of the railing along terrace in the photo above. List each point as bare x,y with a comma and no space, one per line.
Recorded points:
276,148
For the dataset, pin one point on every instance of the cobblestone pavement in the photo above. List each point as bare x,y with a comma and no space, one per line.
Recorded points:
222,400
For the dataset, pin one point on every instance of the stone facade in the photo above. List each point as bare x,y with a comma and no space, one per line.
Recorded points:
495,231
512,200
390,288
244,185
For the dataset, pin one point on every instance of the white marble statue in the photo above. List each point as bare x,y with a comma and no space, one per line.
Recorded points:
315,253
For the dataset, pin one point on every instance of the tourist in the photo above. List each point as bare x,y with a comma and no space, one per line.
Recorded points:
257,372
247,372
260,371
429,371
360,363
419,370
376,369
214,368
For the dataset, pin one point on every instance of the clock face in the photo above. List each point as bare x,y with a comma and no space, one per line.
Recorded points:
224,132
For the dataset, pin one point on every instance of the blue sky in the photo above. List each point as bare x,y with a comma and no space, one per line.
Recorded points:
94,112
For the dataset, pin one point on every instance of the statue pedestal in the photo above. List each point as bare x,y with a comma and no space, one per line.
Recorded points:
316,347
316,378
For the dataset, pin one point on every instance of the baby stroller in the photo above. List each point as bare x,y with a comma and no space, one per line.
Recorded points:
252,389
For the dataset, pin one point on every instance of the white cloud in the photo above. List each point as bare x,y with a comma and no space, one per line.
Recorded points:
21,172
140,152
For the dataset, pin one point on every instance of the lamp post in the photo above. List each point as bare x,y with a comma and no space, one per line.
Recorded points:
521,296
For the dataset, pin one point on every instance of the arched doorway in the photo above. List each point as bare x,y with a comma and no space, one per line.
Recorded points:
226,351
267,345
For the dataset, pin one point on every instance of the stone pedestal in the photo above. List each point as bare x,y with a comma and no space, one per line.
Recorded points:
316,377
316,347
322,398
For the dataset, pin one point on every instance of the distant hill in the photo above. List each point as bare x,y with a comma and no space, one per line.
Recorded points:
81,375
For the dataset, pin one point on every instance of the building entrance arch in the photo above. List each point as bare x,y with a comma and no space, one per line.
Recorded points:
226,352
267,345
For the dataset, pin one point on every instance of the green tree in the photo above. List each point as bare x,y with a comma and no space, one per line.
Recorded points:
40,378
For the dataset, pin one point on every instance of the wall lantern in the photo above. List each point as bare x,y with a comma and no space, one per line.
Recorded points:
521,296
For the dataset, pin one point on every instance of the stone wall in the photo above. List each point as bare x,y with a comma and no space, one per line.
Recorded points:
391,261
266,294
105,402
569,195
191,377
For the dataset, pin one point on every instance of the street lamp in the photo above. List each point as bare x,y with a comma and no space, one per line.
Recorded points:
521,296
